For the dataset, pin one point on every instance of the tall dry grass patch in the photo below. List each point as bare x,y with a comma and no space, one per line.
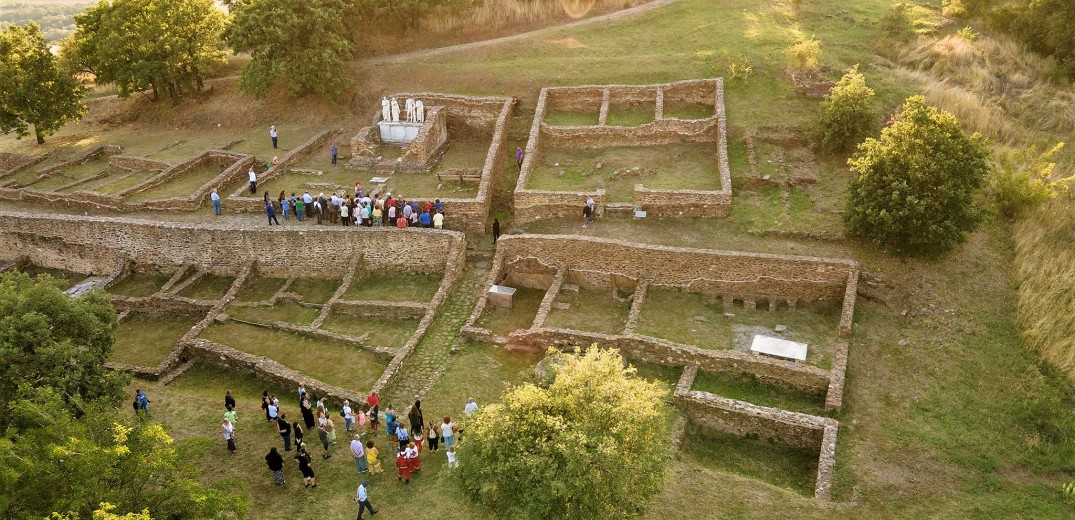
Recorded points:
1045,265
495,14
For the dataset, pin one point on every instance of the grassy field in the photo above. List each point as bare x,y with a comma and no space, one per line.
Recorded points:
146,340
260,289
521,315
208,287
591,311
376,331
314,290
139,284
183,186
286,312
393,287
747,388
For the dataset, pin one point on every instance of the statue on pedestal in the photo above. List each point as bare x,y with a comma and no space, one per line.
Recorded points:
385,114
395,110
410,110
419,111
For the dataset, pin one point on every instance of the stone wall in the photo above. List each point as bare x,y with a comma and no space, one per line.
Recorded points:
11,163
429,143
533,205
311,145
134,163
91,244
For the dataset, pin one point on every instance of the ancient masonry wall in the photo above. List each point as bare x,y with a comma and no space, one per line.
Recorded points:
429,142
533,205
11,163
91,244
239,200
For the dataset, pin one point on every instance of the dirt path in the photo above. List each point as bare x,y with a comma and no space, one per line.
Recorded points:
425,53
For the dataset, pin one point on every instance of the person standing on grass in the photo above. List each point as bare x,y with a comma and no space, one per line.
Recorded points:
348,417
306,466
229,434
273,135
471,408
363,499
228,399
231,416
143,401
300,208
296,427
271,212
302,393
519,158
358,452
265,402
402,436
447,432
343,214
276,466
496,230
322,435
284,428
307,412
215,197
332,150
374,403
330,427
433,436
416,418
253,180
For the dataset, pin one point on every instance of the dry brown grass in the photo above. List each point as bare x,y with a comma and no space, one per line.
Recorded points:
500,13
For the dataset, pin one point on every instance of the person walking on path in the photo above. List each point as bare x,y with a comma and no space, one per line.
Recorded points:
215,197
229,434
519,158
273,135
306,466
496,230
358,452
228,399
276,466
363,499
332,151
253,176
271,212
284,428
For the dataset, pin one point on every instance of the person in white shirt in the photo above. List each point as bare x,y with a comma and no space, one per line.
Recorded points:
273,135
359,454
453,462
363,499
274,409
215,197
471,408
348,418
447,432
438,220
229,434
253,180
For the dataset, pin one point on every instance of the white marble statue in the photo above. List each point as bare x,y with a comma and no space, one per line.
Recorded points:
410,110
385,114
419,111
395,110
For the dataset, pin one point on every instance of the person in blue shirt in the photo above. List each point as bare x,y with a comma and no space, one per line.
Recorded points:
363,499
143,401
425,219
271,212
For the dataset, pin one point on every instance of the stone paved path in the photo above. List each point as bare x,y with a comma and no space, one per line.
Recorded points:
418,373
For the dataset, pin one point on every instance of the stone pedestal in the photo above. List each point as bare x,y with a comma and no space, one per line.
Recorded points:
501,296
398,132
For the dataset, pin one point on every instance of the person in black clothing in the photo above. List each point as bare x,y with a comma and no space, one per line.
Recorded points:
276,466
307,412
496,229
297,427
265,404
285,431
416,419
306,466
229,400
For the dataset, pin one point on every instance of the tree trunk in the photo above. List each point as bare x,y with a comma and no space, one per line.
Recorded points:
198,80
173,93
156,95
40,138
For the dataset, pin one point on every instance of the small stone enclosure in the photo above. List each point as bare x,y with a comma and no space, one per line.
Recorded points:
664,129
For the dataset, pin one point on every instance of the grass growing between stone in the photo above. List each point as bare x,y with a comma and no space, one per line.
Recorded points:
777,464
745,387
630,115
287,312
590,311
521,315
677,166
568,118
139,284
373,330
314,290
208,287
180,187
259,289
330,362
65,176
683,110
499,370
145,340
466,152
394,287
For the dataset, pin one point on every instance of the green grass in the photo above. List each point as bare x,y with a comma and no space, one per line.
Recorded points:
181,187
520,316
259,289
145,340
314,290
424,186
675,166
784,466
285,312
590,311
66,176
747,388
699,320
379,332
682,110
668,375
499,370
116,185
139,284
466,152
394,287
567,118
633,115
330,362
208,287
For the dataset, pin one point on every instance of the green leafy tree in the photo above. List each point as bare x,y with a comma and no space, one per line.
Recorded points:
848,112
148,44
914,186
1046,26
34,91
591,445
302,42
74,465
49,340
104,512
1023,179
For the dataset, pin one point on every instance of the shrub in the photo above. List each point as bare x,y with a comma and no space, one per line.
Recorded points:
737,66
914,186
802,56
1023,179
897,22
848,112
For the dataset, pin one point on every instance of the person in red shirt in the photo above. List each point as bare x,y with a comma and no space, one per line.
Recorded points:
401,222
374,404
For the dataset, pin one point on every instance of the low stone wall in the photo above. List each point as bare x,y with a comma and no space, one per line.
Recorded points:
683,203
531,205
96,153
11,163
656,133
90,244
311,145
430,141
382,309
133,163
